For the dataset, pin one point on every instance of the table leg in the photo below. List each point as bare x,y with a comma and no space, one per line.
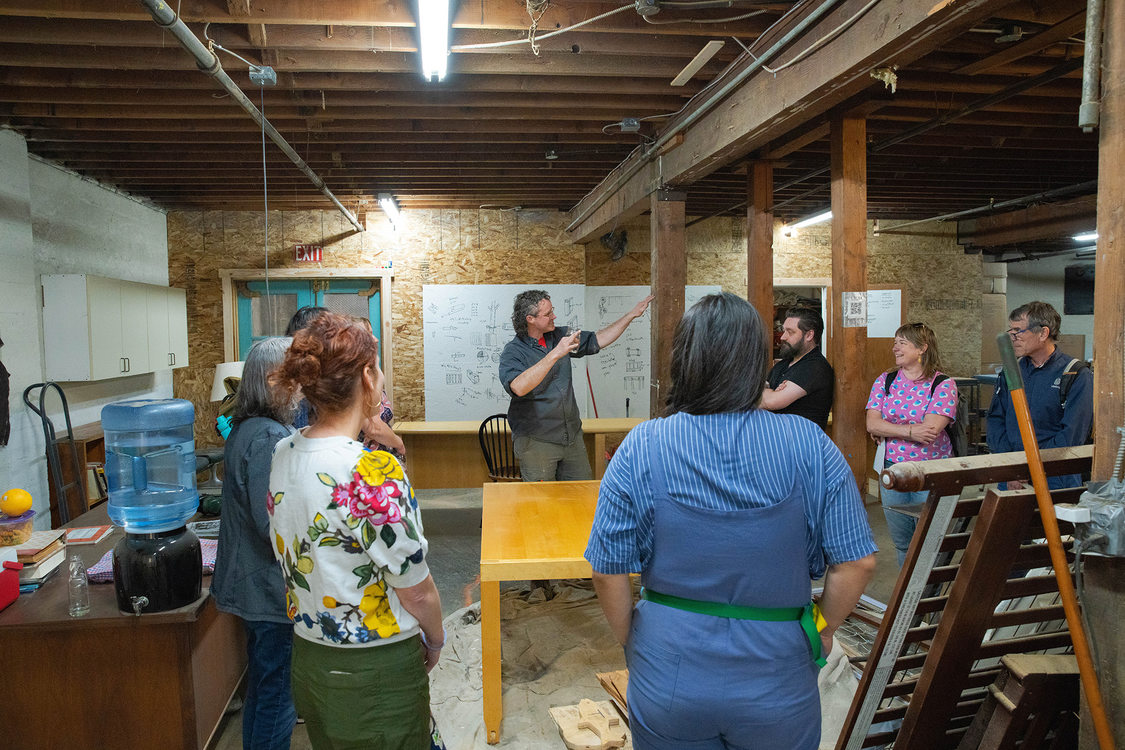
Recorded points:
490,658
599,455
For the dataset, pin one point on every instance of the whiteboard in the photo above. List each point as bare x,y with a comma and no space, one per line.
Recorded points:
621,370
465,328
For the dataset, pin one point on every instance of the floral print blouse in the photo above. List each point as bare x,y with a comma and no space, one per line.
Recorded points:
908,402
347,531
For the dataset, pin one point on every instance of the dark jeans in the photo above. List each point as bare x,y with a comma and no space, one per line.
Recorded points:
268,715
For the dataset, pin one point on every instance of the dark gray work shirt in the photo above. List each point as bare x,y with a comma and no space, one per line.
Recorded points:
548,412
247,580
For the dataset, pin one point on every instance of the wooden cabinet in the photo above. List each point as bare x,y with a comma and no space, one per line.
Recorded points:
96,328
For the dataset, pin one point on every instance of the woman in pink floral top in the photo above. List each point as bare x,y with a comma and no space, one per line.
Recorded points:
348,534
908,411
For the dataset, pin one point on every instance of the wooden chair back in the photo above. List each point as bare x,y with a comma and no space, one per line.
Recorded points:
496,444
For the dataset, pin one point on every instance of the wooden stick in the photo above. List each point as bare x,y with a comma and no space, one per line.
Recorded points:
1054,544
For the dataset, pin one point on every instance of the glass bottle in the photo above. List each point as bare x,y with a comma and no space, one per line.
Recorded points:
78,587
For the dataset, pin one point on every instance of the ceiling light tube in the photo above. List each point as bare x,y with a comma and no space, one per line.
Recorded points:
697,62
433,32
1085,237
390,208
817,219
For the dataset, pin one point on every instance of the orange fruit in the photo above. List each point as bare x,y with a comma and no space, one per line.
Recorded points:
15,502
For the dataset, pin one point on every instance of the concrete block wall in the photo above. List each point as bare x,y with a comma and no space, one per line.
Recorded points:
52,221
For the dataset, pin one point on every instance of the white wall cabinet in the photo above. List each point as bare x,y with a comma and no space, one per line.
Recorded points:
167,327
96,328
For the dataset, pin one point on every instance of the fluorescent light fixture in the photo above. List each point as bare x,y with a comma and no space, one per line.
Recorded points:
390,208
817,219
697,62
1085,237
433,32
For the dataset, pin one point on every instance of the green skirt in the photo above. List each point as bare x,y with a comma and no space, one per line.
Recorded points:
362,698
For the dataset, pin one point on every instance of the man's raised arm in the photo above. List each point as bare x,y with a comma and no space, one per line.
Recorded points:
613,331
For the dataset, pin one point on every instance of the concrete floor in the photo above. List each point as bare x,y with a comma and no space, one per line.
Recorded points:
452,521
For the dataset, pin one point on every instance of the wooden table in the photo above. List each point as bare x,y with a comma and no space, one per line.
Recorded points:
447,454
110,679
529,531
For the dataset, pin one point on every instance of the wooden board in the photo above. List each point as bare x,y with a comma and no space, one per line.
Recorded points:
591,726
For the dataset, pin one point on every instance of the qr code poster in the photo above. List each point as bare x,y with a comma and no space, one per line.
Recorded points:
855,309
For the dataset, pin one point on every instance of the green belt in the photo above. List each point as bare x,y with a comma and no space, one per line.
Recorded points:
807,615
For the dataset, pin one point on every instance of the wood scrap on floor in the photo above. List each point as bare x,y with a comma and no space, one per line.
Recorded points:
617,685
591,726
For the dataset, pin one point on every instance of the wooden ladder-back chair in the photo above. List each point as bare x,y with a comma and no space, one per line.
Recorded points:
496,444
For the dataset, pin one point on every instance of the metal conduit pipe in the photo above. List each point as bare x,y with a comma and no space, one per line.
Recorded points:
1089,111
209,64
702,109
1077,189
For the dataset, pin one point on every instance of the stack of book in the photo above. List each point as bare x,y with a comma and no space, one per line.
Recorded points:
41,555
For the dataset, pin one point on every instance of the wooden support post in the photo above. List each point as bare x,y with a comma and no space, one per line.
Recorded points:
668,279
1109,291
848,351
1104,597
759,239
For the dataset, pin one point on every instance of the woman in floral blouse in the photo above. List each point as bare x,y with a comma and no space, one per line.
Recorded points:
348,534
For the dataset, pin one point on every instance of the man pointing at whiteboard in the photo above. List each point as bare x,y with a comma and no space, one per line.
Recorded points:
535,371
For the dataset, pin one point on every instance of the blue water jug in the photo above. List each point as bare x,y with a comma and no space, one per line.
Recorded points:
150,464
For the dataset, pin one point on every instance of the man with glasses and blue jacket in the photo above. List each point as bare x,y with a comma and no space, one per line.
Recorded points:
1059,388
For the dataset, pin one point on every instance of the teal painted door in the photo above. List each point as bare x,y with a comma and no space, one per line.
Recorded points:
266,312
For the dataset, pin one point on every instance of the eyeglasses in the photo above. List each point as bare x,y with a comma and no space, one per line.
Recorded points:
1014,332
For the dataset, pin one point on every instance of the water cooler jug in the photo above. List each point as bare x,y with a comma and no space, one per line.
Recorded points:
150,472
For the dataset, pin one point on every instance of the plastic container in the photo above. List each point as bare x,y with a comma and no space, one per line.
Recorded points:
16,529
150,464
78,587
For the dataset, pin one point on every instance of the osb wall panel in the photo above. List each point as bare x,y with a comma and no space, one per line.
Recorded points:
948,301
529,247
941,284
432,247
716,255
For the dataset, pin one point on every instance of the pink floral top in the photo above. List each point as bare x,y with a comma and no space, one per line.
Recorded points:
347,532
908,403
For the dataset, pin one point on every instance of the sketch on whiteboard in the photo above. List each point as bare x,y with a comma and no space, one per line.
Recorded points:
627,375
465,327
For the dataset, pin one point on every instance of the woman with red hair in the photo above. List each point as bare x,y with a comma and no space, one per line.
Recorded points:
348,535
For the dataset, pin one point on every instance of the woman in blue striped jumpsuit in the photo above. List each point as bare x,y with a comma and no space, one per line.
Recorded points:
727,511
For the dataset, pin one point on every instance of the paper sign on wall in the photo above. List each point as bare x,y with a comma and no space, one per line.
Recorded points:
855,309
884,313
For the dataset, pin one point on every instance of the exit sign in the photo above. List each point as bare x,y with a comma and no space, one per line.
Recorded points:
308,253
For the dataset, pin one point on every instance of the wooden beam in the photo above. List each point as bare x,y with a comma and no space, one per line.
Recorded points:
1047,221
1105,591
1060,32
334,81
668,280
849,279
549,63
768,106
759,239
483,14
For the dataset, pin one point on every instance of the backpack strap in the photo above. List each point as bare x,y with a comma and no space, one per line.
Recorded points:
938,380
1069,375
888,380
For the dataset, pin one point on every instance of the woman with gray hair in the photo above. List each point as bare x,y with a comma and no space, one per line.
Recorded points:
247,580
